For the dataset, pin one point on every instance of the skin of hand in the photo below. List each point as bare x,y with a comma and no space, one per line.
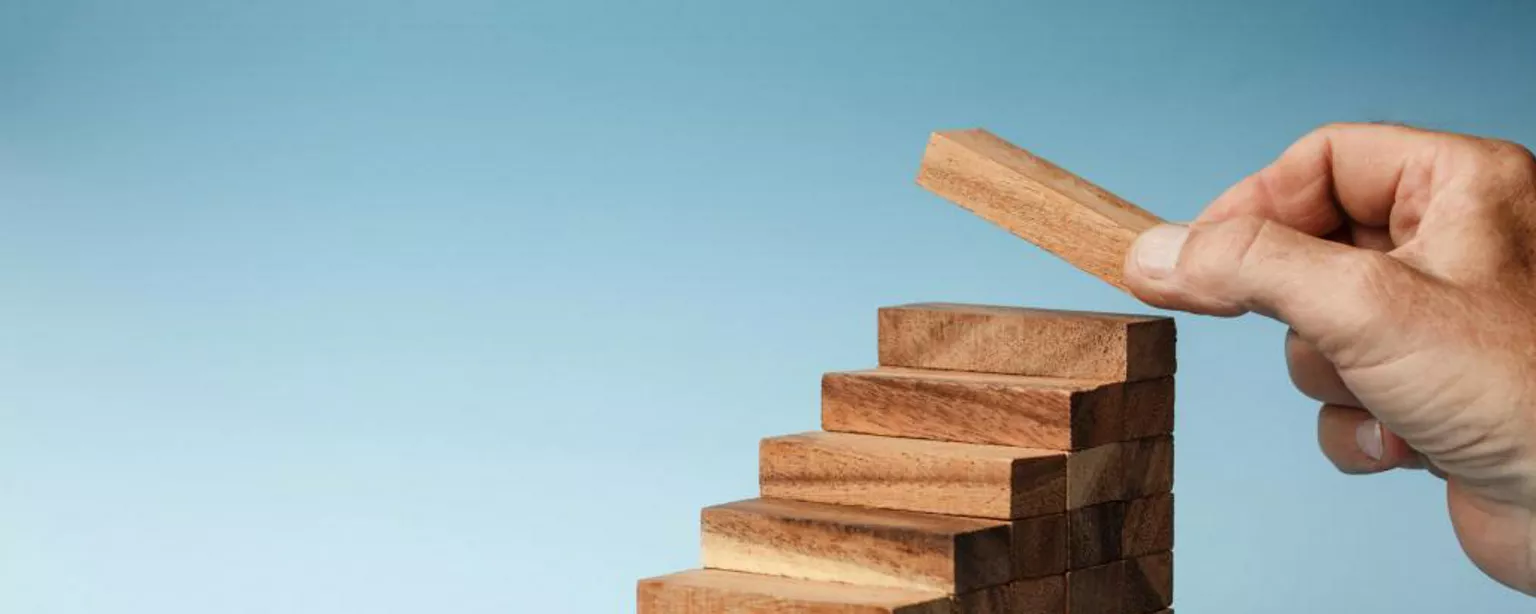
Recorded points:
1404,262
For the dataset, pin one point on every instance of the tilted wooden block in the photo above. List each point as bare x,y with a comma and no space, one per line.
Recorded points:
912,474
711,591
1034,199
872,547
1119,529
1148,526
1149,583
1009,410
1025,341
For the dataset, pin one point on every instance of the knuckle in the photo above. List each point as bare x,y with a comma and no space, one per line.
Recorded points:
1218,251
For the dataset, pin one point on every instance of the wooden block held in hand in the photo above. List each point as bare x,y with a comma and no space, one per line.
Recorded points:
1026,341
871,547
1148,526
1032,596
712,591
1034,199
959,479
1149,583
1009,410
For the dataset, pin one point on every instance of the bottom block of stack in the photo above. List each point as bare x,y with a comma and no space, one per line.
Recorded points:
710,591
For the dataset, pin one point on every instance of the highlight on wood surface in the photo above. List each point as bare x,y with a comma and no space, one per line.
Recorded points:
1034,199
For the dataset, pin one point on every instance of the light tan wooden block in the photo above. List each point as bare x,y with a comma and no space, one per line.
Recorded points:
1040,546
711,591
1148,583
1010,410
912,474
1025,341
1034,199
1148,466
1032,596
871,547
1148,408
1097,590
1148,526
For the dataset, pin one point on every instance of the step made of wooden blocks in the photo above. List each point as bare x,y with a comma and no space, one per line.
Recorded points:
911,474
1023,341
1009,410
871,547
711,591
1034,199
1111,531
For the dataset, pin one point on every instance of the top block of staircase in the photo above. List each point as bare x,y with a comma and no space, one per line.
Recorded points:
1026,341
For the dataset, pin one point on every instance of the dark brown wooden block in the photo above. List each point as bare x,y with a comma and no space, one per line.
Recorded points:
1148,526
871,547
1010,410
911,474
1148,466
1149,583
1097,590
1148,408
1095,534
1034,199
712,591
1096,475
1032,596
1024,341
1040,546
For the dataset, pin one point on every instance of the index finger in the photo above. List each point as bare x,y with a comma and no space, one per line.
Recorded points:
1338,173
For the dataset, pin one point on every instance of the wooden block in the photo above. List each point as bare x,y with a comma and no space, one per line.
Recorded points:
1040,546
1096,475
1097,590
1025,341
1149,583
711,591
1148,526
1040,202
1095,534
872,547
1032,596
1009,410
1148,408
1148,465
960,479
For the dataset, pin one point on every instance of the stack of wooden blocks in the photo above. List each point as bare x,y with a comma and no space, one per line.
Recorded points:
999,461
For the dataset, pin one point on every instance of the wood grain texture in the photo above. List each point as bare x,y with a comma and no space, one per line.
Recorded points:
1148,583
1034,199
1025,341
711,591
1148,408
940,477
871,547
1040,546
1009,410
1096,534
1148,466
1097,590
1148,526
1032,596
1096,475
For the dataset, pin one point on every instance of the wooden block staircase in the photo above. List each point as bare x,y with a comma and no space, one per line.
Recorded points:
1000,460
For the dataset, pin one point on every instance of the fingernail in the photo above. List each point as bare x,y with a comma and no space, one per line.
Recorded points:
1368,436
1157,249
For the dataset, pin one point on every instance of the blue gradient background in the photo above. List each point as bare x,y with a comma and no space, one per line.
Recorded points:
468,306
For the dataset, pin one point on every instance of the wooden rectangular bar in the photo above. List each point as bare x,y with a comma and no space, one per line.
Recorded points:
1097,590
940,477
1148,408
871,547
1040,546
712,591
1148,466
1025,341
1032,596
1009,410
1148,526
1116,530
1148,583
1034,199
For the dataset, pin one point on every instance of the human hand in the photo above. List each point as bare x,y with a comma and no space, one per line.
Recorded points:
1404,262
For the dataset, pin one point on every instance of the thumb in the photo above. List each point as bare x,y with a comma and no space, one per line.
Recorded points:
1335,296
